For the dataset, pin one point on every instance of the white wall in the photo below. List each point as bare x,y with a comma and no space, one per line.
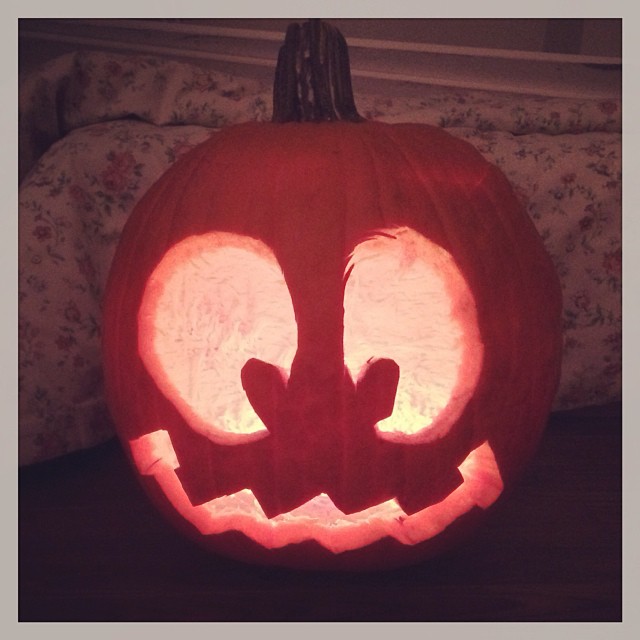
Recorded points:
534,56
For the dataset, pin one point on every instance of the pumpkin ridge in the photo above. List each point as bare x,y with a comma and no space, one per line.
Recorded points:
502,215
470,201
120,280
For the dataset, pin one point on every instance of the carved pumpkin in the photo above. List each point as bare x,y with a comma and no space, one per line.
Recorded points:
330,344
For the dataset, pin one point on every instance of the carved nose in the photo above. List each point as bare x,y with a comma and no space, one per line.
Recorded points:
318,428
367,401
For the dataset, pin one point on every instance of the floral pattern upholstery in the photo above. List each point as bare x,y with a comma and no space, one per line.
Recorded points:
97,129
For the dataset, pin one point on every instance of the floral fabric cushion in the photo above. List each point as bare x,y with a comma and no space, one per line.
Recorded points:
98,129
73,207
83,88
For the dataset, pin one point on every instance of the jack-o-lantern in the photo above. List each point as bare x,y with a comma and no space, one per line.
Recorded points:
330,344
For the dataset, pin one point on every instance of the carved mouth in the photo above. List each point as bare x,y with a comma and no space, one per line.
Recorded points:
319,519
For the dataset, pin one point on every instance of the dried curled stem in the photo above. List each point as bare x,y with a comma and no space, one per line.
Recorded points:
313,79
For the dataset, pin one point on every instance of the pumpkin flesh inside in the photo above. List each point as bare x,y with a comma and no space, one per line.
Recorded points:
219,300
318,519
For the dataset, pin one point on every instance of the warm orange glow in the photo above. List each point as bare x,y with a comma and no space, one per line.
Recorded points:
405,299
219,299
214,302
319,519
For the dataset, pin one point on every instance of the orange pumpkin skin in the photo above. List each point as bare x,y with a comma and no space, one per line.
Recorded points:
311,193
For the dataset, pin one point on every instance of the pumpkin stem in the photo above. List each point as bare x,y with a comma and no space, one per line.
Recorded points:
313,80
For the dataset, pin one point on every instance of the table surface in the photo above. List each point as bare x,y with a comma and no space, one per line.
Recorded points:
92,548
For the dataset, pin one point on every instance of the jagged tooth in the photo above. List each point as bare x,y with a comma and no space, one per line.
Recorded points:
421,494
268,504
273,507
360,501
376,389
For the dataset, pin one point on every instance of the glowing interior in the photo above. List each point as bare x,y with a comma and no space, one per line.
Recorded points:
319,519
218,299
405,299
214,302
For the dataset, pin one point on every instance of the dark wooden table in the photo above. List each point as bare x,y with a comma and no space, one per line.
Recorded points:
91,548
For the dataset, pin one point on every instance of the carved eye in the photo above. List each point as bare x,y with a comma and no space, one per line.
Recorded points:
406,300
218,300
212,303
